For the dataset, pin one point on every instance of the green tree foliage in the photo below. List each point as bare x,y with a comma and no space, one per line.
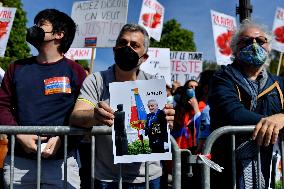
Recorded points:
210,65
83,63
273,66
17,47
175,37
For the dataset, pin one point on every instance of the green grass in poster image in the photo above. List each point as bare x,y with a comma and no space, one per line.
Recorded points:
137,147
278,185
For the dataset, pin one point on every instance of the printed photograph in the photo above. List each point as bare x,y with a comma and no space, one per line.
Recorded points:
140,131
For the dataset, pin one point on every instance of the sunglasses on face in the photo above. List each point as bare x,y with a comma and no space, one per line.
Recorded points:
249,40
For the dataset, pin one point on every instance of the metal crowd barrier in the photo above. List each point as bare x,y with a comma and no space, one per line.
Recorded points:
65,131
232,130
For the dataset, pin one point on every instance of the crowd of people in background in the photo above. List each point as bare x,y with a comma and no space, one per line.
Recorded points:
49,89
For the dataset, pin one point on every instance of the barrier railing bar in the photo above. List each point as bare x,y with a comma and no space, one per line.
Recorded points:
96,130
147,175
120,177
65,160
176,164
12,161
190,160
205,170
258,167
93,141
38,173
234,172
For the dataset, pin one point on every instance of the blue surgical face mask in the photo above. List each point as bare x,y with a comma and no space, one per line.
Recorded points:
190,93
253,54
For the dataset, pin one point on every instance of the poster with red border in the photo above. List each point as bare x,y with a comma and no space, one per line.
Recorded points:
223,27
152,17
6,21
278,30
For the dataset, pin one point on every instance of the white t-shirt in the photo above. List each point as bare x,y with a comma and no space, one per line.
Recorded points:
2,72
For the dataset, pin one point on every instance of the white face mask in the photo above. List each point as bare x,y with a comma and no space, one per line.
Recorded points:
170,99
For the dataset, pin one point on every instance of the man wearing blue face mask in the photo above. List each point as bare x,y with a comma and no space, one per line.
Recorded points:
245,93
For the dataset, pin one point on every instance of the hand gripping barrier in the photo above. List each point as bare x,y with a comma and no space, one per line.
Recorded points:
232,130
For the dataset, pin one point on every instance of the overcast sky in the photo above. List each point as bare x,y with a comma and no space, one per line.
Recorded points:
193,15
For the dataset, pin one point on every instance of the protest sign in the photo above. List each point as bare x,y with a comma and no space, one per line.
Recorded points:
152,17
223,27
6,21
158,64
185,65
79,53
98,22
278,30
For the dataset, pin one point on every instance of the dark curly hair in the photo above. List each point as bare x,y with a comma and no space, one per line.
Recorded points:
61,22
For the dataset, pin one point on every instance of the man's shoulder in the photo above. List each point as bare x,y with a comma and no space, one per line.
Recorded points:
73,64
144,76
24,61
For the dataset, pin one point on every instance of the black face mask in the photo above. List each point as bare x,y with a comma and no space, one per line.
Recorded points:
126,58
35,36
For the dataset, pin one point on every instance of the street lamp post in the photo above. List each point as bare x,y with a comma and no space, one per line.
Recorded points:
244,9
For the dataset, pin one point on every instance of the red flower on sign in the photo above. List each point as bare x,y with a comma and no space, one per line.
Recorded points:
223,41
3,28
279,34
151,20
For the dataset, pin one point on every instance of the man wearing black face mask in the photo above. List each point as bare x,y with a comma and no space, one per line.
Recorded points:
40,91
92,108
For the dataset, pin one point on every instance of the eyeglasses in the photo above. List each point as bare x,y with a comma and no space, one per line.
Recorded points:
249,40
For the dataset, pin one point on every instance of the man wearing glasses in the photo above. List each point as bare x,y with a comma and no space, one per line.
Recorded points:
245,93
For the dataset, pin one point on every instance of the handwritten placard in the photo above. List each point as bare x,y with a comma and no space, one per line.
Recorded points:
185,65
100,19
6,21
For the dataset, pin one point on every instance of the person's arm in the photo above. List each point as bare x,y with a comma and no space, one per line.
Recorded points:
267,129
89,110
194,104
86,115
7,98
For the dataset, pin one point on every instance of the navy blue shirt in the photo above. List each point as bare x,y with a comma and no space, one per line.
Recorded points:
33,93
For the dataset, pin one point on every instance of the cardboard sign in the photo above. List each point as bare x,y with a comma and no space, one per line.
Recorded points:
80,53
278,30
6,21
152,17
100,19
185,65
223,27
158,64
